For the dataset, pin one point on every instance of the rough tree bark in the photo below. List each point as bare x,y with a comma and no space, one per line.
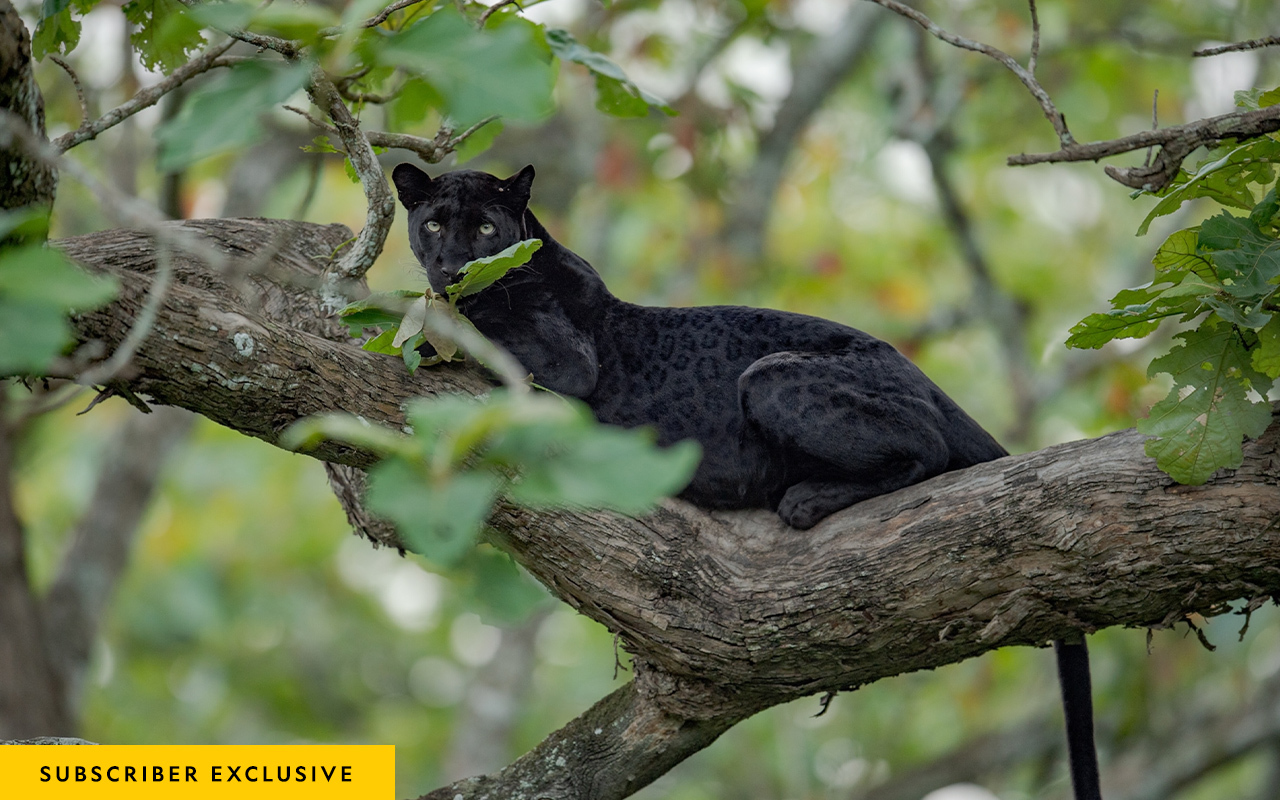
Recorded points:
729,613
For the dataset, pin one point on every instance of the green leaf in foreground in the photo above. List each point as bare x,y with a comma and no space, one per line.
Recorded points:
616,94
1199,426
377,310
1246,258
223,114
478,275
1226,179
439,518
39,287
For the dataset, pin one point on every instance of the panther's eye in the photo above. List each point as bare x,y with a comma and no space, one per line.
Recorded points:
486,229
433,226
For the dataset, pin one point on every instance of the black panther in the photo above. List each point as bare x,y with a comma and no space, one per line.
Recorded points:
796,414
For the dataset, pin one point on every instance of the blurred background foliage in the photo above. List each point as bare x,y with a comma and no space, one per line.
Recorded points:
248,613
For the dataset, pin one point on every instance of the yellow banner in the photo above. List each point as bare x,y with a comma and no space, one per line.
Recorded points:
241,772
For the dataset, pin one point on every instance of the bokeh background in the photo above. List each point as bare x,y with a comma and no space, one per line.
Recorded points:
825,159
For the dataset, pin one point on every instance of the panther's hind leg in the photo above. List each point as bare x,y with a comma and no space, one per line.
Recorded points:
847,428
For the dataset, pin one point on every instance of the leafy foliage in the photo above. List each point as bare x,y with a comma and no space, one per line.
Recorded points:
503,70
223,114
1224,272
615,93
163,33
439,483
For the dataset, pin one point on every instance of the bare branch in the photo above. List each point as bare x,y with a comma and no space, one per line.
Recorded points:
431,151
1176,143
202,63
1252,44
1035,38
1051,111
493,9
75,81
381,16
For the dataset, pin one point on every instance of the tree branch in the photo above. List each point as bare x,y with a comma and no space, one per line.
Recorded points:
211,58
1051,111
1176,143
728,613
1252,44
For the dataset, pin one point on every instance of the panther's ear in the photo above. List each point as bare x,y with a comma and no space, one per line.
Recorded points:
413,185
518,187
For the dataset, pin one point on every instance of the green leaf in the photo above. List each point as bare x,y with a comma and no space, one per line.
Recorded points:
501,70
164,35
41,275
55,33
1266,356
1180,256
615,93
1199,426
438,518
223,114
1226,179
478,275
377,310
597,466
31,336
39,287
409,352
1247,260
501,592
294,21
383,342
307,433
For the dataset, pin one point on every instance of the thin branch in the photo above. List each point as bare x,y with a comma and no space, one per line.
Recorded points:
1051,111
493,9
75,81
462,137
1252,44
381,16
1035,38
431,151
146,98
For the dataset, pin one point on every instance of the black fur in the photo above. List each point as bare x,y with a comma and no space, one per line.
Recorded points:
794,413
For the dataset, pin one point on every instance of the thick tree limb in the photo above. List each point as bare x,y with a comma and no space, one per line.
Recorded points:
729,613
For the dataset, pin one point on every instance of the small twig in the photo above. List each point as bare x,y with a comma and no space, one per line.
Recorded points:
462,137
1035,38
209,59
1051,111
1155,124
381,16
825,703
1252,44
491,10
75,81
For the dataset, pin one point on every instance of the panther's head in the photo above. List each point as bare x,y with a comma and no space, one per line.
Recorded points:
461,216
